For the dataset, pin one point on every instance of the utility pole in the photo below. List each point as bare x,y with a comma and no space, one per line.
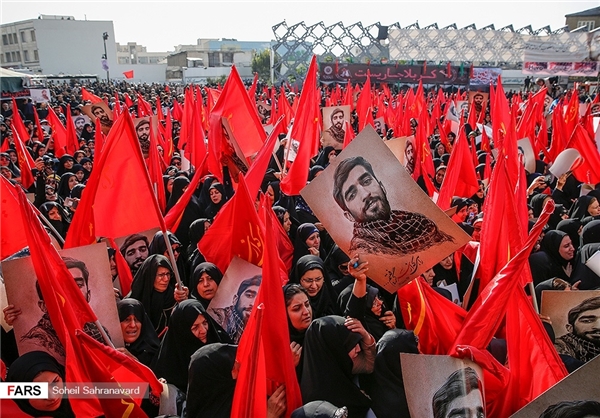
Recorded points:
104,38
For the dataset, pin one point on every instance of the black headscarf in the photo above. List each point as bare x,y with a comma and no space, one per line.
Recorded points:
314,170
276,190
548,263
214,273
195,234
327,367
316,409
537,203
385,385
590,233
61,226
323,157
25,369
63,186
213,208
204,198
157,305
158,246
211,387
325,302
179,343
178,185
557,216
360,309
61,164
580,207
302,233
145,348
571,227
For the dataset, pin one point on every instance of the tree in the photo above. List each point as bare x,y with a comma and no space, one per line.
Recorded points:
261,64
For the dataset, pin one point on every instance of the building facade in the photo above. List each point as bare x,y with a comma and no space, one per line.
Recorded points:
590,19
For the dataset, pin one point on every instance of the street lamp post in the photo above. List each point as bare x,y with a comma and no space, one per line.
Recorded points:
104,38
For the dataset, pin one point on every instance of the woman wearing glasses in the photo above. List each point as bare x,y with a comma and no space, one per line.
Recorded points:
309,272
154,286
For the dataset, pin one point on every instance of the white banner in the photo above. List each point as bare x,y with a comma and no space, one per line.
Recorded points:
40,95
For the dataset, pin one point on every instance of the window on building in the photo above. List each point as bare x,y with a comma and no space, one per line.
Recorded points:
8,59
10,39
4,40
18,56
142,60
214,59
1,58
15,40
590,24
32,33
123,60
35,55
26,55
228,57
23,37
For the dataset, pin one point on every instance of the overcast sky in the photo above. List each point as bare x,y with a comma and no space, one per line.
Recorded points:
161,25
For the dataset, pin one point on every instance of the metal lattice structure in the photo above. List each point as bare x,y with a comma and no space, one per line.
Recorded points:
295,44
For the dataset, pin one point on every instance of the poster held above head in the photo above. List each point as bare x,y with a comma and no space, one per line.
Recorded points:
334,126
403,149
142,131
370,205
526,150
235,297
100,110
442,386
91,271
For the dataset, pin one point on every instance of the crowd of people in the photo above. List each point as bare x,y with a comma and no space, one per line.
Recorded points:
345,330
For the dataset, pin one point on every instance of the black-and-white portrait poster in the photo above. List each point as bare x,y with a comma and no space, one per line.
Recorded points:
334,126
371,206
442,386
90,268
578,392
235,297
404,150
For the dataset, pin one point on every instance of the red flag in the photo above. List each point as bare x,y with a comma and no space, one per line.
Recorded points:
250,395
155,171
306,131
363,104
252,91
87,96
348,134
72,141
435,320
284,109
257,170
235,231
128,102
26,163
59,133
117,109
284,244
143,107
235,105
177,111
125,277
38,126
118,199
12,234
17,123
107,365
66,306
186,122
128,74
99,139
173,217
460,179
582,142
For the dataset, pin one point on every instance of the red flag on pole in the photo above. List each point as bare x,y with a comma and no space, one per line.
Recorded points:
12,233
87,96
59,133
128,74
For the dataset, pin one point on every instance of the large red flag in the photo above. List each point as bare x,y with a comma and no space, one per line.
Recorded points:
177,112
59,133
118,199
364,105
26,163
284,109
143,107
460,179
72,141
66,306
252,90
155,171
104,364
17,123
125,277
435,320
12,233
589,170
242,115
173,217
87,96
306,131
38,125
235,231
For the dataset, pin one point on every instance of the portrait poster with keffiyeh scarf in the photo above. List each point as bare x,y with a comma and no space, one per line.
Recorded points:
371,206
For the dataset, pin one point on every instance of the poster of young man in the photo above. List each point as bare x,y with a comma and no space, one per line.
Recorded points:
575,320
478,98
334,126
233,302
142,131
371,206
91,272
264,111
403,149
442,386
100,111
574,396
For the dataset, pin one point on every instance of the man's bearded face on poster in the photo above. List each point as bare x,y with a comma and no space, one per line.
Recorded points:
364,196
337,119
